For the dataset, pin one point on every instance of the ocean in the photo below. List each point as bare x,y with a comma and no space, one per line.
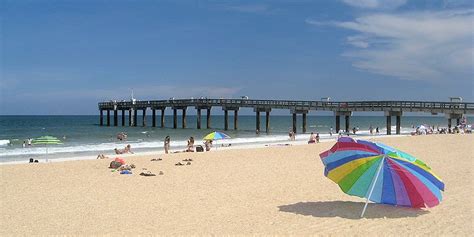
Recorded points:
82,136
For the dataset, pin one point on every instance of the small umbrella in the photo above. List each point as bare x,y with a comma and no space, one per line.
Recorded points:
381,174
216,136
46,140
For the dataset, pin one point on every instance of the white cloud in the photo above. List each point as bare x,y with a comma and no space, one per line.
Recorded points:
414,46
376,4
359,41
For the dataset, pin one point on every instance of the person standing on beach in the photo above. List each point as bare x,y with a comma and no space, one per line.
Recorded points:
330,131
190,145
312,139
167,144
371,129
291,134
377,130
317,137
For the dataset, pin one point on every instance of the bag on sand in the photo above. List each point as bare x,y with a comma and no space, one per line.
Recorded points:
115,164
199,148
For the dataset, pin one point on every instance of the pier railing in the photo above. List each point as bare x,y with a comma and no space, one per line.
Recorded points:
410,106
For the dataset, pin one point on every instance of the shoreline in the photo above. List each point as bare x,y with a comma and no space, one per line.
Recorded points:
160,150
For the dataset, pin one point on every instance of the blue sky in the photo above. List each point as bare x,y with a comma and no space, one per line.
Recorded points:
62,57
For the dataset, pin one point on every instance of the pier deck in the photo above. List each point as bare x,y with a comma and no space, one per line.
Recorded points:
452,110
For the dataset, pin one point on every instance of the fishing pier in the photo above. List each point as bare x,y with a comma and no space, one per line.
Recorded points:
452,110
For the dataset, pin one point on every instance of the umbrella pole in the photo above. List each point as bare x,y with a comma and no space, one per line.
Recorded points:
372,187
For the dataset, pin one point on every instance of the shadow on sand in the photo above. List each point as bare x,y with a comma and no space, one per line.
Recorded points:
350,210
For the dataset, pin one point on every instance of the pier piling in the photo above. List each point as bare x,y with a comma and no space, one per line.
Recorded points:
162,118
101,118
398,124
338,123
153,119
304,122
294,123
348,123
389,125
257,121
208,118
108,117
175,118
130,118
183,121
267,121
198,118
226,120
115,118
135,117
123,118
236,119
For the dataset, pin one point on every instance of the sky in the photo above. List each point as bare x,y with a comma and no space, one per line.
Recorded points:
63,57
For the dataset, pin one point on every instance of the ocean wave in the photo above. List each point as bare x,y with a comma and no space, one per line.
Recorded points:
4,142
158,144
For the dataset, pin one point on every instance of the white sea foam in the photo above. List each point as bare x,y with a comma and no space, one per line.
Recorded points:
158,144
4,142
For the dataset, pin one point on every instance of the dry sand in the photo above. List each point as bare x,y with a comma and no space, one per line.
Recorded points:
274,190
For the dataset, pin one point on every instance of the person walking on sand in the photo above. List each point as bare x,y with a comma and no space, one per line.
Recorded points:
312,139
377,130
167,144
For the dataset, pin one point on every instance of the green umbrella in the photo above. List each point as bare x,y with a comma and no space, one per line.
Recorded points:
46,140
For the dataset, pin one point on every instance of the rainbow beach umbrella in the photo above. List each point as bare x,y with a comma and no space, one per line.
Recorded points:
216,136
381,174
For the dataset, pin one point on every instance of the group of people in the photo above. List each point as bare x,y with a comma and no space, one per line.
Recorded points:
371,130
27,142
190,145
313,138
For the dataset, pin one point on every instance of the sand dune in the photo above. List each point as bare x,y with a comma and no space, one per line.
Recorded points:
274,190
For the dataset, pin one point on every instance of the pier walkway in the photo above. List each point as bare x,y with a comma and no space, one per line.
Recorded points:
452,110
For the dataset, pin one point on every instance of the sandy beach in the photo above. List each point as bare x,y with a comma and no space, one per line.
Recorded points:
273,190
